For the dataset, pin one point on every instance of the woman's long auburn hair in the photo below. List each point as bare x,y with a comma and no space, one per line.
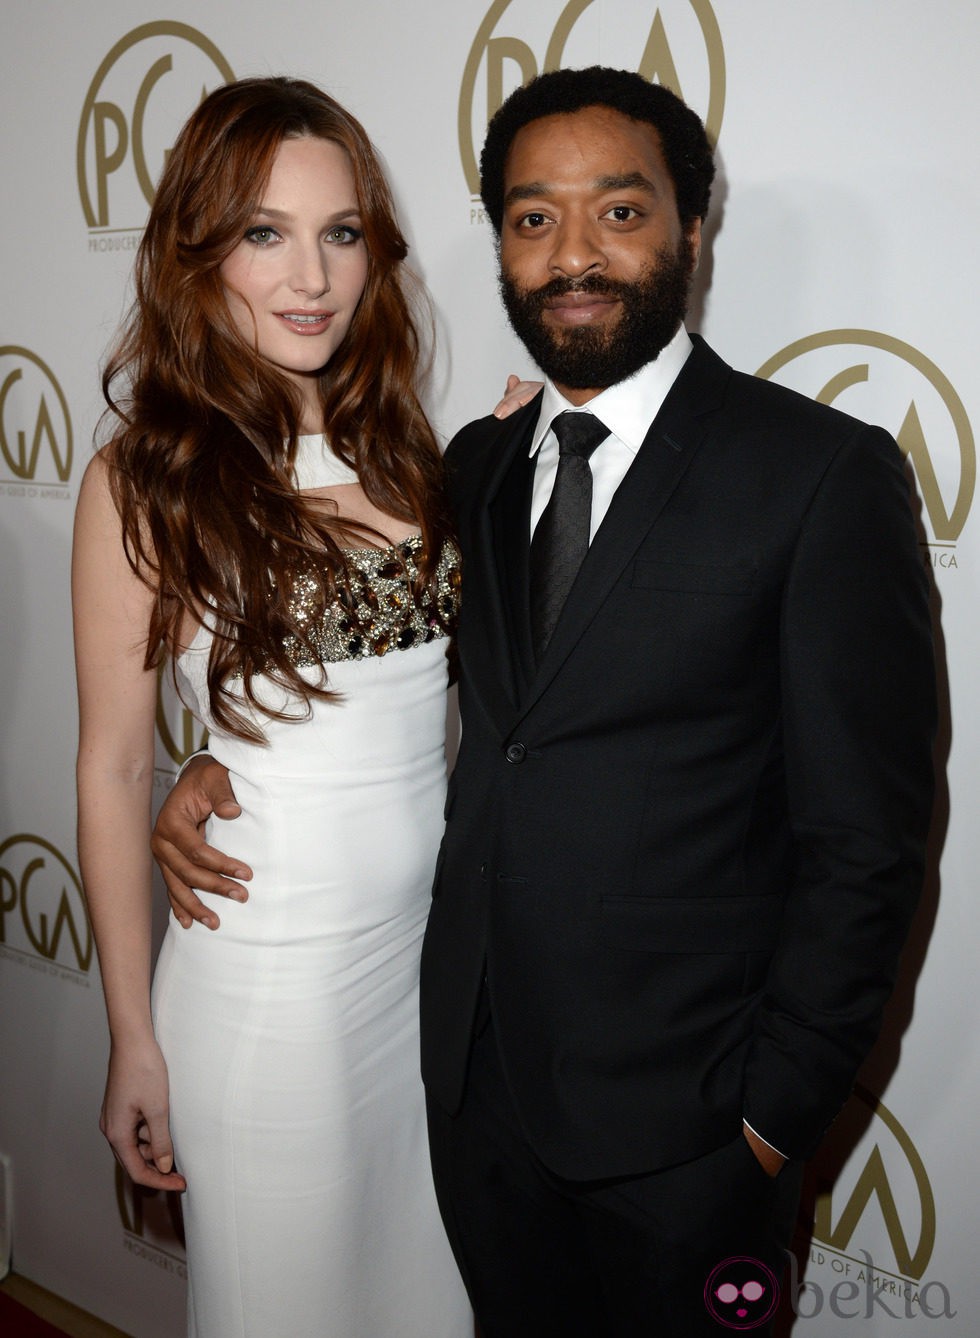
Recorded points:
205,431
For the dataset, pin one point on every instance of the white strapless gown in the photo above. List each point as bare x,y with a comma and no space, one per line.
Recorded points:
291,1032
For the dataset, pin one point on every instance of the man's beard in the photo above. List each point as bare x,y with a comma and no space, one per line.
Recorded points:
592,357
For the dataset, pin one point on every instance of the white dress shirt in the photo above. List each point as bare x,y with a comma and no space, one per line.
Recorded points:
627,409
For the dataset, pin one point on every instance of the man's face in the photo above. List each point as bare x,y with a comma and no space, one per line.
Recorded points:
595,266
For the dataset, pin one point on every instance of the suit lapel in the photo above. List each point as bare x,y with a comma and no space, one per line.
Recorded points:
667,450
510,527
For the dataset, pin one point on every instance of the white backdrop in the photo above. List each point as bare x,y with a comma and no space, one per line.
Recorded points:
835,264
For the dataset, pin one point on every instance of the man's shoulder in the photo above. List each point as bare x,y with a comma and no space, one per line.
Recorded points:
479,442
470,437
777,428
767,403
469,452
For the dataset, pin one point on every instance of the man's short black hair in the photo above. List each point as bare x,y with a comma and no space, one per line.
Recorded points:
686,147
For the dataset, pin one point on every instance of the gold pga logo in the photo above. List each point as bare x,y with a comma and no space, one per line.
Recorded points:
887,1185
41,893
179,733
682,35
140,96
35,425
884,380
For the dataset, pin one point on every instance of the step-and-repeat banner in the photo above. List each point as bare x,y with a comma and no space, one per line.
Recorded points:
839,262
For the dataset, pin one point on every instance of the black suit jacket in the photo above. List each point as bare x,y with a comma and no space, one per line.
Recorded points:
685,849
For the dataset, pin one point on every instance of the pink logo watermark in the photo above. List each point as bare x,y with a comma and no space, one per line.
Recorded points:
741,1293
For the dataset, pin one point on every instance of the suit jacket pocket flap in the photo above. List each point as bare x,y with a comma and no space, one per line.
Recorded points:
691,924
693,578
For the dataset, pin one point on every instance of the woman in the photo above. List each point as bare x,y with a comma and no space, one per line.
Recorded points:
269,516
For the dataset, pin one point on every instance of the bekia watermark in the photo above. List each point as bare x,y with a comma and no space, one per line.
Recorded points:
742,1293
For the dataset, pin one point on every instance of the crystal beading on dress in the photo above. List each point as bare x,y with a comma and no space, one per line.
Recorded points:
383,610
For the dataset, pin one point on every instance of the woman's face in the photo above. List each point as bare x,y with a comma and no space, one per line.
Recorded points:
294,280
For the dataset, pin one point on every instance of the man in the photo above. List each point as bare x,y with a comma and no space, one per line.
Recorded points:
685,831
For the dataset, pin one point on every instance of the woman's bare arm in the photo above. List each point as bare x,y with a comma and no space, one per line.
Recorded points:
117,701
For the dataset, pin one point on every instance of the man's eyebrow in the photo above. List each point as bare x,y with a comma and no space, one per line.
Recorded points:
615,181
527,192
626,181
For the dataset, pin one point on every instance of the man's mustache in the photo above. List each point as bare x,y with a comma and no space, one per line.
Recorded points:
592,284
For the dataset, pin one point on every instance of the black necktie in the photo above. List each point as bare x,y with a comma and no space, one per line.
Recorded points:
561,538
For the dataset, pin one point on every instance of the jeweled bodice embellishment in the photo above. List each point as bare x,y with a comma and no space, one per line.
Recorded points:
382,612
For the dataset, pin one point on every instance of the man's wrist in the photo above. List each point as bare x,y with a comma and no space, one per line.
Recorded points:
188,761
770,1159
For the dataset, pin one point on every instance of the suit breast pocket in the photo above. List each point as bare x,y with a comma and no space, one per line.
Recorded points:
715,621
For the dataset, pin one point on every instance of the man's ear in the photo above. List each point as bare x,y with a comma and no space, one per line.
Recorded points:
693,234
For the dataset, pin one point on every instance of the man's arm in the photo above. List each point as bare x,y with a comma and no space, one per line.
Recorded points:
858,717
185,859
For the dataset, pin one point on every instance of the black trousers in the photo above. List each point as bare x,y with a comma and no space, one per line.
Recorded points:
694,1249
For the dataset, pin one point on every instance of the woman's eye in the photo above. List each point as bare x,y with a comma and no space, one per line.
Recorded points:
344,235
261,236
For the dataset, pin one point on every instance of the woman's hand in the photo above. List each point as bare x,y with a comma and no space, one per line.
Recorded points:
518,393
136,1115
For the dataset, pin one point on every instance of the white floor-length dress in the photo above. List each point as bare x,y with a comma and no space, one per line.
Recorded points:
291,1032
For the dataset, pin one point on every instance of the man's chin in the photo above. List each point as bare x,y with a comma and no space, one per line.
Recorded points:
569,357
565,339
597,334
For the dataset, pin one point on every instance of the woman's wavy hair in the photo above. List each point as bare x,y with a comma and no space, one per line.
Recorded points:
204,430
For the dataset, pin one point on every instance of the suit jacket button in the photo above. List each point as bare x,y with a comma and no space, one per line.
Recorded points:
516,753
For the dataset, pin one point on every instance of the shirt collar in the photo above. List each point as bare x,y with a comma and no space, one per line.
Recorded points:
629,407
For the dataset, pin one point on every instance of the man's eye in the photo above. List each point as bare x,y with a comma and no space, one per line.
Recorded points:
533,220
623,213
